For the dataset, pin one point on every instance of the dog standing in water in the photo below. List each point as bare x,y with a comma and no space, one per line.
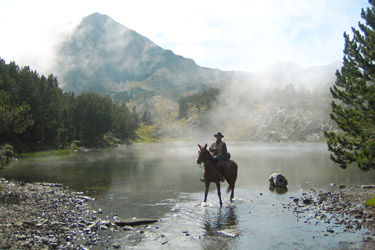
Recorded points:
278,180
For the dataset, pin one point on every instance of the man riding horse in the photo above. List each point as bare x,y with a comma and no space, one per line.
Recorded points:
213,172
220,153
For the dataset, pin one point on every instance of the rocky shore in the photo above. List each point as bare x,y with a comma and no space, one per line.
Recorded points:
45,216
341,210
50,216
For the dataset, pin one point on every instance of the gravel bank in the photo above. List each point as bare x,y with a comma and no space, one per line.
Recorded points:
341,210
50,216
44,216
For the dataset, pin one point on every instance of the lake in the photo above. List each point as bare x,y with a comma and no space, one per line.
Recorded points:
162,181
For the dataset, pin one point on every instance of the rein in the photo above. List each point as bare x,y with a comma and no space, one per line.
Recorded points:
208,158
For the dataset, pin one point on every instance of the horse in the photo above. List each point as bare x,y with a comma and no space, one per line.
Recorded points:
213,173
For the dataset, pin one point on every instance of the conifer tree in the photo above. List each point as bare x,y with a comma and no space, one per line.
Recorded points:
354,98
183,107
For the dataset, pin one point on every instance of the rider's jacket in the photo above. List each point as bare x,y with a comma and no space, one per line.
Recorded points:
220,149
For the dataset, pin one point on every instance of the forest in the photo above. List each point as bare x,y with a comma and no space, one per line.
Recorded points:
200,101
35,114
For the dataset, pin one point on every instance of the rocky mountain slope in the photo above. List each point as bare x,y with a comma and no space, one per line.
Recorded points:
106,57
283,102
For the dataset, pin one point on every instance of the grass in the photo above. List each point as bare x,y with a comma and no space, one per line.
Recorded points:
147,133
371,202
43,154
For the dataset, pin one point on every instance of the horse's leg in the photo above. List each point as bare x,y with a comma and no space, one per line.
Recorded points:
218,192
207,185
232,193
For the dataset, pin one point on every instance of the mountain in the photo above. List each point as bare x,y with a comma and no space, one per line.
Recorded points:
282,102
106,57
284,73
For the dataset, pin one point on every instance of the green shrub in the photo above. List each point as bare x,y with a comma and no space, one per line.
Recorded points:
371,202
6,155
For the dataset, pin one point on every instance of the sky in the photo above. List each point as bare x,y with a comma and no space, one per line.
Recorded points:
241,35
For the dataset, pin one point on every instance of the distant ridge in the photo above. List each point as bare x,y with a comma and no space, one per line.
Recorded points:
284,73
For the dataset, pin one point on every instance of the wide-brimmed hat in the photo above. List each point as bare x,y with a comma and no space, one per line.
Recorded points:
219,134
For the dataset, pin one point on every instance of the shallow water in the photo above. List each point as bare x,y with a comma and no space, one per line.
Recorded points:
162,181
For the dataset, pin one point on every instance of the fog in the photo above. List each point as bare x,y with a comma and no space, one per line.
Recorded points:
241,35
279,103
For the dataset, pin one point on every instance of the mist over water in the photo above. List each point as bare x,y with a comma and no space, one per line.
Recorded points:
302,163
162,181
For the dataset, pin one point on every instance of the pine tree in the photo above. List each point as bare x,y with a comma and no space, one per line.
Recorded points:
354,98
146,118
183,108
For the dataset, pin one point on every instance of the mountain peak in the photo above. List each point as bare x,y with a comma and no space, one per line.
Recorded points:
98,19
97,16
103,56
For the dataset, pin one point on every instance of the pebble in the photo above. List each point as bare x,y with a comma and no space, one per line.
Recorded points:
229,232
47,216
343,208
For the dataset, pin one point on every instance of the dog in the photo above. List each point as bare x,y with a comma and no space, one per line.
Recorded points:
278,180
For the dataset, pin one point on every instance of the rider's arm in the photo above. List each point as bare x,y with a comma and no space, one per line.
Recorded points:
225,149
212,148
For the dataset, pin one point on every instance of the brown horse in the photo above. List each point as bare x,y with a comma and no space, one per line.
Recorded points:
213,173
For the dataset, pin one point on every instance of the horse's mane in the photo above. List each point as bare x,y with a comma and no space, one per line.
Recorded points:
209,154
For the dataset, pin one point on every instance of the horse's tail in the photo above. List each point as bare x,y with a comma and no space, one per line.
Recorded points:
235,168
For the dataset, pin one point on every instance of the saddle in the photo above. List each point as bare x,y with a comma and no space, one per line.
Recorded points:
227,163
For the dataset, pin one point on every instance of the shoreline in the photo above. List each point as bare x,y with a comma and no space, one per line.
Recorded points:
43,215
47,215
342,210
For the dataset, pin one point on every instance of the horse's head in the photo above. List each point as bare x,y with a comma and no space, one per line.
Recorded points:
203,154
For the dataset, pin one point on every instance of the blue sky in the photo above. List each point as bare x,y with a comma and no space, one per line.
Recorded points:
230,35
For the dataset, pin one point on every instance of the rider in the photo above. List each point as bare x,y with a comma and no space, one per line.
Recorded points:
219,151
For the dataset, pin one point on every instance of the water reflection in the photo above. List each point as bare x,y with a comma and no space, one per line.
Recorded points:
278,190
161,181
172,166
220,228
221,219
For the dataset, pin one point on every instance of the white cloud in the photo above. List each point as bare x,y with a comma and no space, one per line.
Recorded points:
231,35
